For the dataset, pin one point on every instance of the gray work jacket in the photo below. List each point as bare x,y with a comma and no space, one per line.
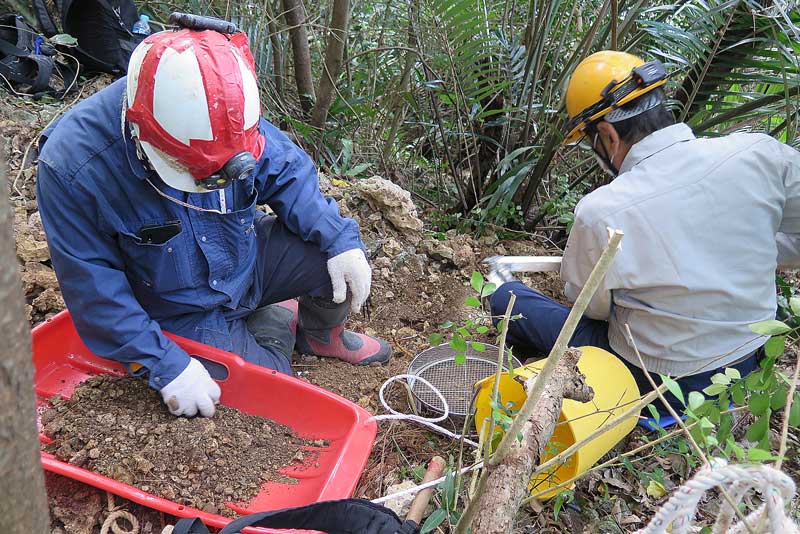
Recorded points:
706,223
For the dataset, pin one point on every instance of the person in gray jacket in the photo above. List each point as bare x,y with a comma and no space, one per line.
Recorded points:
706,223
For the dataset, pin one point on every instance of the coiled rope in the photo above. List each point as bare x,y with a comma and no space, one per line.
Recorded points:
776,488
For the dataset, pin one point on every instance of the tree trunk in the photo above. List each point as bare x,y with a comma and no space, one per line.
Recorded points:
23,501
296,21
340,21
396,106
277,52
507,484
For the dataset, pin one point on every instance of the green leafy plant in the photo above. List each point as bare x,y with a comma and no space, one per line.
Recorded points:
562,202
461,337
343,166
763,392
449,496
563,497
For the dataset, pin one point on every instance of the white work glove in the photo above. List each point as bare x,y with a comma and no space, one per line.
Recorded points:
350,269
191,391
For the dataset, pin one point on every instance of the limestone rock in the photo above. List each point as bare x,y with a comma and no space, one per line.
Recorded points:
438,250
400,505
38,276
30,250
393,202
489,239
29,235
463,255
49,300
392,247
381,262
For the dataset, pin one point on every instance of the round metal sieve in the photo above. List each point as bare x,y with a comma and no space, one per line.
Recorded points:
454,381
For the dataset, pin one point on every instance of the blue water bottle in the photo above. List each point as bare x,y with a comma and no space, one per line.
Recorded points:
141,26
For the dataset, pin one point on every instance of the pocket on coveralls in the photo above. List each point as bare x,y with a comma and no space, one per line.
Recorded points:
155,265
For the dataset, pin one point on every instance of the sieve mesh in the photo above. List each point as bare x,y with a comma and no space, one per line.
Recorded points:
454,381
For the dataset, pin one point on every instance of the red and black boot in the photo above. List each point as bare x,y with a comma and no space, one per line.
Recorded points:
321,332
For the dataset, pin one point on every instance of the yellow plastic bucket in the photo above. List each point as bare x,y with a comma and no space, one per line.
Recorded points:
614,392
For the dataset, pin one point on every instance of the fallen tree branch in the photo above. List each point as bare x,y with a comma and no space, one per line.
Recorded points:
575,314
506,485
523,424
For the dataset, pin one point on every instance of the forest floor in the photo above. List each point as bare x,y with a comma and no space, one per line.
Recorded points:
420,280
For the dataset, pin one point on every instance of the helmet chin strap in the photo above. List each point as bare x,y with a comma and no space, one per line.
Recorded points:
604,155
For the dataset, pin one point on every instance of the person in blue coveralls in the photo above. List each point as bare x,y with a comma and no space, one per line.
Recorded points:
148,193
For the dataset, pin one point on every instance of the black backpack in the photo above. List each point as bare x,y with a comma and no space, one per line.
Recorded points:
101,27
347,516
29,64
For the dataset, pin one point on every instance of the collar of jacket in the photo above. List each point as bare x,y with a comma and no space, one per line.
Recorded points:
655,143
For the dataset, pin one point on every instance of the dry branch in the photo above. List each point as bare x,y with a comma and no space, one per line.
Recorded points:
507,484
536,389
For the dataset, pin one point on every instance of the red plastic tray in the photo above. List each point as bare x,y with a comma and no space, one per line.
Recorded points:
62,361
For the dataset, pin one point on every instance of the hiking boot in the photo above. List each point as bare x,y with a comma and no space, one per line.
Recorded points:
274,327
321,332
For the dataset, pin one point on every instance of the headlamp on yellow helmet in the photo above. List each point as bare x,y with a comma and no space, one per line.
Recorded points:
605,82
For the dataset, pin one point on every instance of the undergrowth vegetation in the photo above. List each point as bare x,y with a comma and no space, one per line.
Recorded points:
461,100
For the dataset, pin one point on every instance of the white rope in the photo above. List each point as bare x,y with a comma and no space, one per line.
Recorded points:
417,489
429,422
776,487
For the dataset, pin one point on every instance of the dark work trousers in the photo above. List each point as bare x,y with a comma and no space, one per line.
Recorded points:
541,322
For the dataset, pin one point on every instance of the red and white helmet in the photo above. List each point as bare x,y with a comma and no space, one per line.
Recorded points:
193,104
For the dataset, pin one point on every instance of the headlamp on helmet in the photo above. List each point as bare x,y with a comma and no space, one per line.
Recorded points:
239,167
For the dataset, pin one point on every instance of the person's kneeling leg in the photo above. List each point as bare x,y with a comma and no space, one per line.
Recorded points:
289,267
542,320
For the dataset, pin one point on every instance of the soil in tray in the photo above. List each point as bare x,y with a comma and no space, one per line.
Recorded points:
118,426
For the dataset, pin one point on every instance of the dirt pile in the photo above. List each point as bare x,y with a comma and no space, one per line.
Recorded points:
118,426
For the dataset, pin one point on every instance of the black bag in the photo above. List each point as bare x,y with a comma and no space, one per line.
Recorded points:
29,64
101,27
348,516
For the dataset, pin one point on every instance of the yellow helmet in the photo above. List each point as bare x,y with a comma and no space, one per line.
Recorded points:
605,81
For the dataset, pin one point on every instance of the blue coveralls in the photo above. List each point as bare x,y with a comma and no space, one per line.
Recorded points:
202,283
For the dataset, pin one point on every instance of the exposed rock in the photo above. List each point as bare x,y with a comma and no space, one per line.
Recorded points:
488,239
48,300
38,276
463,255
393,202
381,262
400,505
325,185
30,250
29,234
438,250
35,225
392,247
